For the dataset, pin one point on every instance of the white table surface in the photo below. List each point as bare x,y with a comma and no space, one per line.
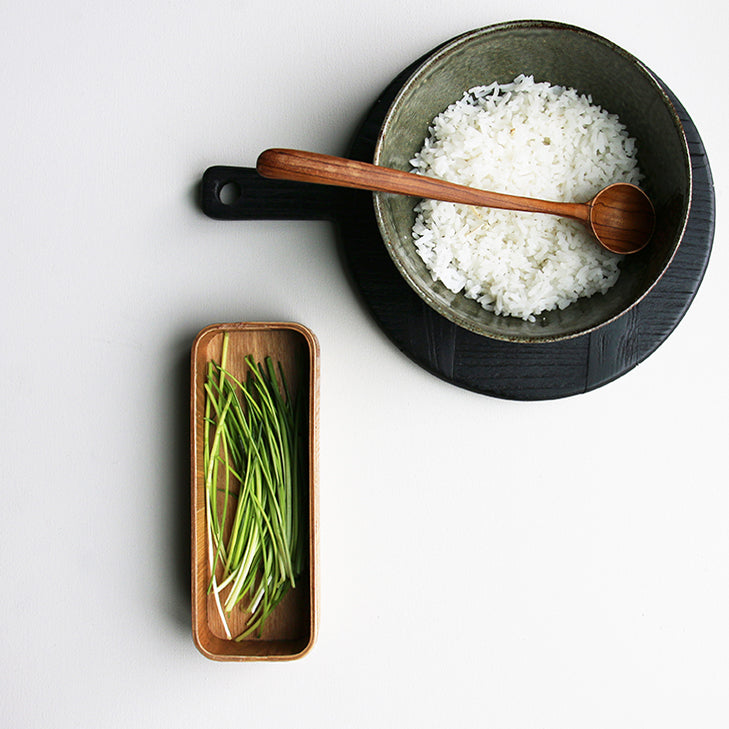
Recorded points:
506,565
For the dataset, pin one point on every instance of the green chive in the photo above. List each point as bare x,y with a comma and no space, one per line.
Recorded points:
254,479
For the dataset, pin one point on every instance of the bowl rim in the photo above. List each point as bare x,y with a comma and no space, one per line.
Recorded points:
447,48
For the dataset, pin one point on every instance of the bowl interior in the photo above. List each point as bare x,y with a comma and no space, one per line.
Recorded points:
562,55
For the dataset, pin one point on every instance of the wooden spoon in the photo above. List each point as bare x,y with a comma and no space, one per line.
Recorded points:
620,216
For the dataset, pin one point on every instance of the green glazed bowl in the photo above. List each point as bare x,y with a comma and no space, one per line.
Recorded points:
567,56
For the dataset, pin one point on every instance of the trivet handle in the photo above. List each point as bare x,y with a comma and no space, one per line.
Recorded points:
240,193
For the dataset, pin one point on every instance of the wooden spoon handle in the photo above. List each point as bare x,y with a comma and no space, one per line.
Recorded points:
292,164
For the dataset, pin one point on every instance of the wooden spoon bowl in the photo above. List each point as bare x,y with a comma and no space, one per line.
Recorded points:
622,218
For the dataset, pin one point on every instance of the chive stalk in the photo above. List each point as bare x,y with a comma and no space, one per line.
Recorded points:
254,480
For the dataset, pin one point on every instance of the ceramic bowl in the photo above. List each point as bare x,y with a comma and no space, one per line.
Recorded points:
567,56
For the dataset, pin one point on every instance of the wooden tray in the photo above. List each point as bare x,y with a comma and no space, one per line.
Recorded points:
290,631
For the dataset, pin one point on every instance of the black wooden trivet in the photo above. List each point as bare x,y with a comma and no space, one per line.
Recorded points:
501,369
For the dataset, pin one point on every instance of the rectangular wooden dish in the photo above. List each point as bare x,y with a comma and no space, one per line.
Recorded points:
290,630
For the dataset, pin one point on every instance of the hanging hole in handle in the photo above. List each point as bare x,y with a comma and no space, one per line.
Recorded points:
229,193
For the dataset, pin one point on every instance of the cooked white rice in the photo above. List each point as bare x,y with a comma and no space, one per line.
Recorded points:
531,139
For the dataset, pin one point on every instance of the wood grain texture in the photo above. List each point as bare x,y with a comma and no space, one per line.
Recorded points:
621,216
323,169
290,631
500,369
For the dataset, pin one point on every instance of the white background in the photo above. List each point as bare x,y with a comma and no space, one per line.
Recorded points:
562,564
